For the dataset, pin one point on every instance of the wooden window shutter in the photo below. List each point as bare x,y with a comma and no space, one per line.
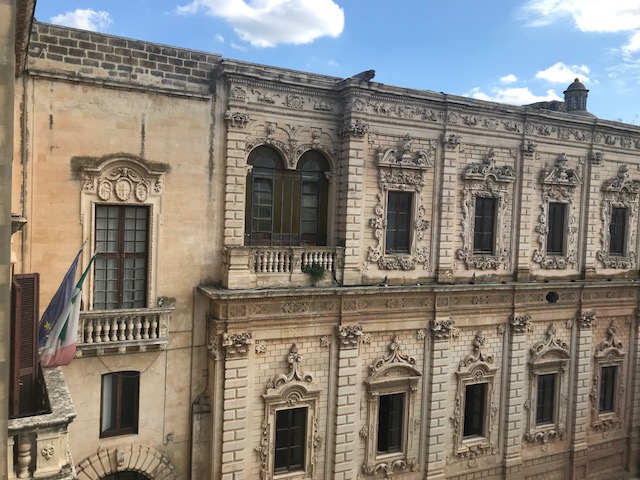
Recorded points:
25,293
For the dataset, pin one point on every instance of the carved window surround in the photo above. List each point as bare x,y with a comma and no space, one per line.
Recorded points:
548,356
389,374
620,192
121,179
485,179
402,169
294,389
475,368
609,353
558,185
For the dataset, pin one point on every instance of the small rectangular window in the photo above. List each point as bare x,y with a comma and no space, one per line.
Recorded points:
617,231
474,409
121,261
484,225
546,398
390,423
119,408
557,225
607,389
291,431
398,222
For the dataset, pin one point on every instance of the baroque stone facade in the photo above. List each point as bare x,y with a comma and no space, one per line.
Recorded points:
455,272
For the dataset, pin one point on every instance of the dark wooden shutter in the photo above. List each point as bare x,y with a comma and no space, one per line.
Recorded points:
25,293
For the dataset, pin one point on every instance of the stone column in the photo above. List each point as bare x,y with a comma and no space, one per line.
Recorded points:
448,198
515,416
442,330
593,225
348,406
236,383
582,387
351,196
634,398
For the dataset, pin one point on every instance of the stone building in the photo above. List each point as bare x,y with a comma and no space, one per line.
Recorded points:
308,277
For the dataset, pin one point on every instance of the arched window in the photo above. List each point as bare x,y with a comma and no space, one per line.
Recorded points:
286,207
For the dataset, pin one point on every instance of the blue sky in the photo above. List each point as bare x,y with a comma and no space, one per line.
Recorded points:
515,51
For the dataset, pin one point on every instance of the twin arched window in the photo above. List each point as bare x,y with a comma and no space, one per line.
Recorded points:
286,207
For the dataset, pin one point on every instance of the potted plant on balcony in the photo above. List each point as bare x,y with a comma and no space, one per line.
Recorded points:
315,271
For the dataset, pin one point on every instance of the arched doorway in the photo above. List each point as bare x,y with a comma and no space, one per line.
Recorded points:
126,475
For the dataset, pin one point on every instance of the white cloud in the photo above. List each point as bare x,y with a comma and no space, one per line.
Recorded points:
219,38
513,96
235,46
561,73
507,79
86,19
588,15
266,23
634,43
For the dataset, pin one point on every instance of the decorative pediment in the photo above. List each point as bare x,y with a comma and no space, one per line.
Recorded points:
611,343
487,167
394,364
559,174
550,347
405,157
622,182
478,356
295,375
122,178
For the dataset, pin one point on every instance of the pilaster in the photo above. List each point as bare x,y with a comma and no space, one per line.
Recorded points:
442,330
348,406
234,425
594,217
582,387
528,204
516,380
452,145
351,196
634,412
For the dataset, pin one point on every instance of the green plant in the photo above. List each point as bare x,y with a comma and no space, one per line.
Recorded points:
315,271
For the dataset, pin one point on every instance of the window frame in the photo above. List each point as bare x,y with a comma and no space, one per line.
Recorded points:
618,237
121,256
119,404
122,180
548,356
609,353
399,249
294,389
392,374
289,468
484,218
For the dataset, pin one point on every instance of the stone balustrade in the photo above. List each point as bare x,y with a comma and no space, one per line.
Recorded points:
104,332
41,442
259,267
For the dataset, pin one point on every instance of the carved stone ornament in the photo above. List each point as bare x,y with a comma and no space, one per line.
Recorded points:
123,178
236,119
239,93
520,324
294,101
349,336
443,330
47,451
559,193
405,157
620,192
452,141
398,261
559,174
529,149
542,347
295,375
356,128
596,158
213,348
236,344
487,167
266,97
478,354
485,180
586,320
393,358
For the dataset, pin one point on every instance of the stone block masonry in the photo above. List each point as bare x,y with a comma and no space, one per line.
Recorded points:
94,56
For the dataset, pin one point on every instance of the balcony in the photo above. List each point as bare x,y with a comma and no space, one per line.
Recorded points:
108,332
261,267
38,445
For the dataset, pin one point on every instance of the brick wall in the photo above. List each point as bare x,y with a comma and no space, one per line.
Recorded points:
90,55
